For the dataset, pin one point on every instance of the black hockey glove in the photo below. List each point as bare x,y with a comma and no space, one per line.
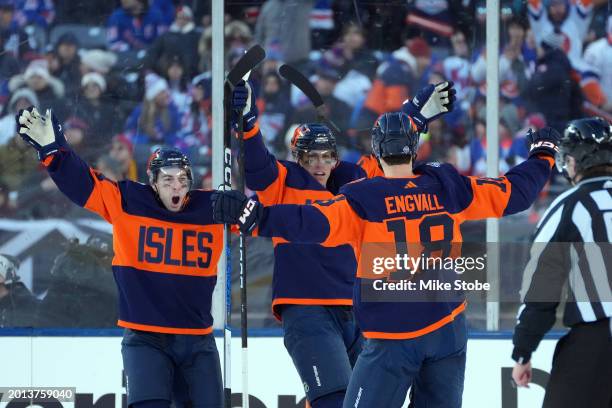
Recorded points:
544,141
233,207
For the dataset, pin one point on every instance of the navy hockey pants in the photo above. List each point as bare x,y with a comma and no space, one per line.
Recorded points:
324,343
434,364
173,367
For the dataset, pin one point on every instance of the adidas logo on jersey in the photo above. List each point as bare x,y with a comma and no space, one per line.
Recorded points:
410,184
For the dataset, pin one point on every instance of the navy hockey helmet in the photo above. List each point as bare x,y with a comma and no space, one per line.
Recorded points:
312,136
394,134
167,157
588,141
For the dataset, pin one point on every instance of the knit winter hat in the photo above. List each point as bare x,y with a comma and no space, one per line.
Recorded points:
38,67
26,93
94,77
154,84
98,60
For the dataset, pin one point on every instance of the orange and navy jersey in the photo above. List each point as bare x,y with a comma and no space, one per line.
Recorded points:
369,164
307,274
165,262
423,211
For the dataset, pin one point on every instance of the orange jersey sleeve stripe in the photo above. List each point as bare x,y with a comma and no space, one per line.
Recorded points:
549,159
163,329
417,333
105,198
251,133
490,198
345,226
370,165
46,162
273,194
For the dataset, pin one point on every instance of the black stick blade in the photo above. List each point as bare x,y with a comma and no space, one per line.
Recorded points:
247,62
296,78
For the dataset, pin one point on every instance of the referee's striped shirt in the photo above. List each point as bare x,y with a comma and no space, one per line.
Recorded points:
572,250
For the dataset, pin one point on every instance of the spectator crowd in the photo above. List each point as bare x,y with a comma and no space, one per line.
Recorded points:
126,76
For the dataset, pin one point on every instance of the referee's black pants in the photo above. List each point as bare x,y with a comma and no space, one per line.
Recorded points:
581,374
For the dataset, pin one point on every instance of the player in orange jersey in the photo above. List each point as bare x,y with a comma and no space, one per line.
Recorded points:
166,247
411,341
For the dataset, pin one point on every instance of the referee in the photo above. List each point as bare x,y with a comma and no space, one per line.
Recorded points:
572,247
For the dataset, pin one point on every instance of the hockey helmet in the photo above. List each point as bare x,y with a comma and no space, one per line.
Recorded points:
588,141
167,157
394,134
310,137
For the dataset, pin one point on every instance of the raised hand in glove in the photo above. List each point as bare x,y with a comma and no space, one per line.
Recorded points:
42,132
243,99
544,141
233,207
429,103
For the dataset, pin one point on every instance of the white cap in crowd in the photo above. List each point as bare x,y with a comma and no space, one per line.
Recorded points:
39,68
96,78
154,84
98,60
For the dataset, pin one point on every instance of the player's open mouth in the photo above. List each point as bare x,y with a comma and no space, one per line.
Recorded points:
319,173
175,200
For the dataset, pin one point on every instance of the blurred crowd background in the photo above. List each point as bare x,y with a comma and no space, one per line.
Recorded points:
127,76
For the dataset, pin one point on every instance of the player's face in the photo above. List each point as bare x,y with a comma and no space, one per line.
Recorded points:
319,163
172,186
568,164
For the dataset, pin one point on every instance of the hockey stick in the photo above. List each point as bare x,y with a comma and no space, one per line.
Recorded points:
247,62
299,80
243,266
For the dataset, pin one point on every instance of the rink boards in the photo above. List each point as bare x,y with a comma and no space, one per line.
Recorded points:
93,365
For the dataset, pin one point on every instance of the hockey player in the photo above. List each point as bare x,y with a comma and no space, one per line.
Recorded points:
422,109
572,244
422,344
312,284
166,247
